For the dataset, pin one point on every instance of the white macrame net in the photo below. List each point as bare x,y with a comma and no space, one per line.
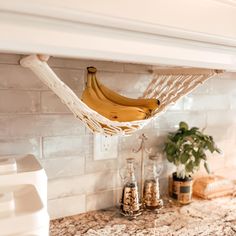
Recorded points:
168,85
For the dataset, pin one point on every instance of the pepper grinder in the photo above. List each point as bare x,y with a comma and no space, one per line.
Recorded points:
129,204
151,190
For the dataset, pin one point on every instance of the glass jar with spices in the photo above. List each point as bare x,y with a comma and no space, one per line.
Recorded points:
151,189
130,205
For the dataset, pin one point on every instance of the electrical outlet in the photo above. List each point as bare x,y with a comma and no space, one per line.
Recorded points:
105,147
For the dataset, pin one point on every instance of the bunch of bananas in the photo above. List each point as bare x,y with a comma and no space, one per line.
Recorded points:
113,105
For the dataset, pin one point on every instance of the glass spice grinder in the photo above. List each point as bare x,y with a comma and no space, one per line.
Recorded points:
129,204
151,191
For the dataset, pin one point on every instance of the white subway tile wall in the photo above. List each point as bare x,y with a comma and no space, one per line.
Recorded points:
15,101
101,200
33,120
67,206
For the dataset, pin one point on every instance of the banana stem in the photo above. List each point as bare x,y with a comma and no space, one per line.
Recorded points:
91,74
89,80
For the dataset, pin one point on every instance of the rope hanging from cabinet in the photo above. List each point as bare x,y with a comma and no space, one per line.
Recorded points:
168,85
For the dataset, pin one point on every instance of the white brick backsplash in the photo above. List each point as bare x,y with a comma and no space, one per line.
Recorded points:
54,147
33,120
168,169
178,106
17,77
64,166
83,64
227,155
233,101
221,132
228,171
89,183
19,101
216,162
230,160
206,102
170,120
73,78
9,58
203,88
101,200
125,82
51,103
129,143
15,146
67,206
221,85
221,119
163,183
40,125
95,166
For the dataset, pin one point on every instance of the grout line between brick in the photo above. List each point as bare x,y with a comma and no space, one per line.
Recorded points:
41,148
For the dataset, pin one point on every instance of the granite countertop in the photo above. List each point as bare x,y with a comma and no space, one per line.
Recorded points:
200,218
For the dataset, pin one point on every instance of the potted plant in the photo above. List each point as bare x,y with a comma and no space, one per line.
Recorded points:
186,149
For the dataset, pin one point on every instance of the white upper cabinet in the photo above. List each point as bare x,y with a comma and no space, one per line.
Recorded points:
206,20
182,32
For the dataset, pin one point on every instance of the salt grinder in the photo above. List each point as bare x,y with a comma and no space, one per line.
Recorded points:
130,205
151,190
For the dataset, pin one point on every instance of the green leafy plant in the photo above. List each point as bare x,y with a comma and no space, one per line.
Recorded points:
186,148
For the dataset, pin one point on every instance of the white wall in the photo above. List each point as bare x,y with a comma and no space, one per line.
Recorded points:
33,120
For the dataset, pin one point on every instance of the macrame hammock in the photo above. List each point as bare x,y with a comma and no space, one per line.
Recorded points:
168,85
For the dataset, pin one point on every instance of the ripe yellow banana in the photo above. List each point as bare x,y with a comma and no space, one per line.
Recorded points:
151,103
100,95
108,109
104,98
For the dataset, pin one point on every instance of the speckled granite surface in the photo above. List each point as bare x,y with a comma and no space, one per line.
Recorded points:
200,218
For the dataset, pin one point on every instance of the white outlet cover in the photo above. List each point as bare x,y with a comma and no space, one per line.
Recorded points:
105,147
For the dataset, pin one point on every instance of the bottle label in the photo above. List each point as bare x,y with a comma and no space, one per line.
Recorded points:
182,191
